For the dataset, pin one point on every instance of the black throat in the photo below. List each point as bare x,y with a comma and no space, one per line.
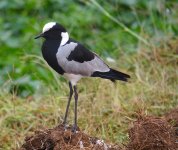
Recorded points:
49,50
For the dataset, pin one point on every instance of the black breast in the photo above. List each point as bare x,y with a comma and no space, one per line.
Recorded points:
49,50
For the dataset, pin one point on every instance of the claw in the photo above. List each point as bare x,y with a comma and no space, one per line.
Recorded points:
74,129
65,126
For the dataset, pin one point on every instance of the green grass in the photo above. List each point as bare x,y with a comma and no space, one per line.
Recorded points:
141,36
105,110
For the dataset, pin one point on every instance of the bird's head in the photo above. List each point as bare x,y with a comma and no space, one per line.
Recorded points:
54,31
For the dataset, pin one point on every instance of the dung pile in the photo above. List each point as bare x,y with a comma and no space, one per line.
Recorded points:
172,117
60,139
146,133
152,133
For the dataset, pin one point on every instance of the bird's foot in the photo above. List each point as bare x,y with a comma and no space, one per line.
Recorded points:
74,128
65,125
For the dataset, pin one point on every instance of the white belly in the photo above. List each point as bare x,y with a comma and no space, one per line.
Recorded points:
73,78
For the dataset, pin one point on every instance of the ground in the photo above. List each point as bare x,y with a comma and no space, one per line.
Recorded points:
146,133
59,138
105,110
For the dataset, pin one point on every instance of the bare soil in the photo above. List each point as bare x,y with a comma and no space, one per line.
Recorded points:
152,133
172,117
146,133
60,139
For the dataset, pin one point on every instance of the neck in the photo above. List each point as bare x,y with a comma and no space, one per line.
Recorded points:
65,38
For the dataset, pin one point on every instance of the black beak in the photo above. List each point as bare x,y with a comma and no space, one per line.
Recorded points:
38,36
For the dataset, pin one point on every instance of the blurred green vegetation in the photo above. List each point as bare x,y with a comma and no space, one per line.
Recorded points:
20,21
139,35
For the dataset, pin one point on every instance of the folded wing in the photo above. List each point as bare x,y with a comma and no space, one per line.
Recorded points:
76,59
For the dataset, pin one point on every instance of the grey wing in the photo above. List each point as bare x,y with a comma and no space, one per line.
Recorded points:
85,68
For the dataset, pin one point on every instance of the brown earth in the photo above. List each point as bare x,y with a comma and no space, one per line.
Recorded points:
172,117
152,133
60,139
146,133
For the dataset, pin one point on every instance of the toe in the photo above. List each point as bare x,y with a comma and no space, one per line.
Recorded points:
74,128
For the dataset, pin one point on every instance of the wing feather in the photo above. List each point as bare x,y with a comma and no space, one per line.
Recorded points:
85,68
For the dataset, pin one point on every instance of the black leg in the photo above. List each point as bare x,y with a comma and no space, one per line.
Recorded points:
75,110
68,104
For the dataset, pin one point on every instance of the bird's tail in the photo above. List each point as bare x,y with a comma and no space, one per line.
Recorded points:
112,75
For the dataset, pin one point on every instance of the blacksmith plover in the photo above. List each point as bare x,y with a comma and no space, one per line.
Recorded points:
72,60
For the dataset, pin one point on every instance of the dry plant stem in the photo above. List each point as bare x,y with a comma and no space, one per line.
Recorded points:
119,23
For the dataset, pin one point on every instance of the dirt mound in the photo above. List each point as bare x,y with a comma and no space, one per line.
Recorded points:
147,133
60,139
172,117
151,133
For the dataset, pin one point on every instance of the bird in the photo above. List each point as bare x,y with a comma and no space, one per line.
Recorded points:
74,61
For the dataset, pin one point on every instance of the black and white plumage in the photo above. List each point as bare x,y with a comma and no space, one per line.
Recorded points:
72,60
